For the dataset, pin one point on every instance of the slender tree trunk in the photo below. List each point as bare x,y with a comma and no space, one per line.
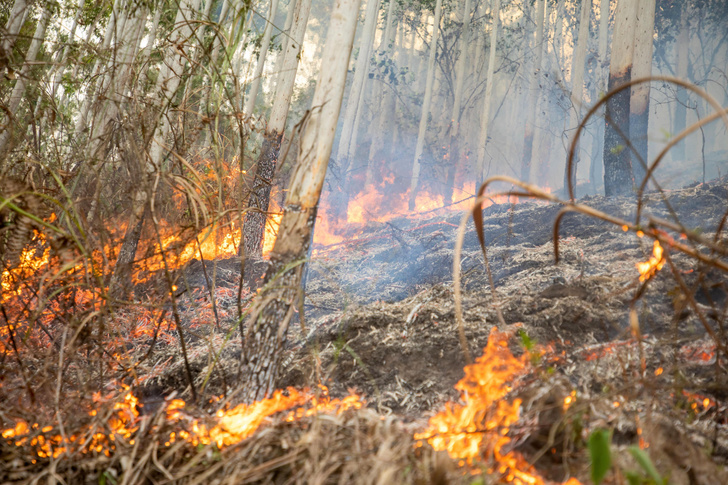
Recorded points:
577,86
640,96
617,164
258,74
453,160
595,169
487,100
559,31
265,334
258,201
414,185
353,108
284,43
16,96
533,94
383,116
15,22
682,45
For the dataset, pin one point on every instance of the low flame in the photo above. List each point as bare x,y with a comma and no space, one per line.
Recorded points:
231,426
479,427
236,424
122,422
29,263
649,268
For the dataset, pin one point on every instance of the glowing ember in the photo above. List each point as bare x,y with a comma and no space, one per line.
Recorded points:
657,261
479,427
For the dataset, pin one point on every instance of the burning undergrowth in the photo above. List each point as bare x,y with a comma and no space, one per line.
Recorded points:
380,319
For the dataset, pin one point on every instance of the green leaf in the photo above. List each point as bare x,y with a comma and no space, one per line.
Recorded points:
616,150
601,458
646,463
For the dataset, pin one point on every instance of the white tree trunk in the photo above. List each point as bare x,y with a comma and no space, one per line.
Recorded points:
360,74
382,93
170,76
425,106
639,105
577,83
617,164
533,93
284,43
265,335
258,74
682,45
487,100
559,29
284,89
18,91
15,22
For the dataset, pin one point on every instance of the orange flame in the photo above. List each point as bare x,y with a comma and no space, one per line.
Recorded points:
122,423
237,424
480,426
649,268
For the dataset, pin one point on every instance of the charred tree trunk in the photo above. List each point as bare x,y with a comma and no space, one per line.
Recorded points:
251,245
258,204
617,163
120,286
265,333
640,96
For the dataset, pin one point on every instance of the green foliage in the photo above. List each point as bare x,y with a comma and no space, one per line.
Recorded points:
600,454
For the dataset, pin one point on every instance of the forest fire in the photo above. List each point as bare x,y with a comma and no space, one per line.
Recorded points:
478,428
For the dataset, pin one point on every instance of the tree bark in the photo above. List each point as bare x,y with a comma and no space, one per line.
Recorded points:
265,333
640,96
617,163
414,184
259,200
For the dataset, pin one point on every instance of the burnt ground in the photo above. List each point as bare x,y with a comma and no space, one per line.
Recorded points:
380,319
